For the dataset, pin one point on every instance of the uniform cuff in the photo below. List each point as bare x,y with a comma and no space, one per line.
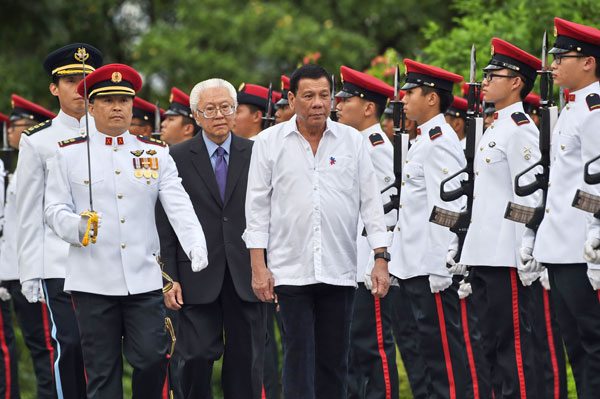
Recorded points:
380,240
254,239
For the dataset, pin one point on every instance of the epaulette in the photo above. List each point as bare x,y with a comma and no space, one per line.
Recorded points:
150,140
520,118
376,139
74,140
38,127
435,133
593,101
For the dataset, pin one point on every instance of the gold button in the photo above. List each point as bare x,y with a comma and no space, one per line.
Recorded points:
122,220
86,181
562,147
477,173
407,176
119,196
445,171
403,182
480,148
123,245
547,210
488,160
400,206
115,149
117,172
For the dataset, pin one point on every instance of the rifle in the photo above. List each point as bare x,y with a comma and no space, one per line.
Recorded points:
532,217
585,201
269,118
156,132
6,154
458,222
333,112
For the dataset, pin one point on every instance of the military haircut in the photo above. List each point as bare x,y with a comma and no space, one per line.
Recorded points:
446,97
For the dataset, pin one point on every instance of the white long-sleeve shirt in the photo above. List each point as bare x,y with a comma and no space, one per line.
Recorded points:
304,207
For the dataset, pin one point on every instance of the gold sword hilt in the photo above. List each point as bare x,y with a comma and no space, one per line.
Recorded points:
91,230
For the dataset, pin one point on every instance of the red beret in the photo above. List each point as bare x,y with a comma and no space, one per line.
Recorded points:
3,118
179,104
533,99
143,109
363,85
252,94
507,55
571,36
418,74
458,108
285,88
112,79
24,109
285,83
276,96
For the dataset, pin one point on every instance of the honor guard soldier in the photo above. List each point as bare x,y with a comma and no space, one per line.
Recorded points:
33,318
372,367
178,124
144,113
564,229
531,104
252,107
501,289
418,254
115,281
283,111
455,116
41,253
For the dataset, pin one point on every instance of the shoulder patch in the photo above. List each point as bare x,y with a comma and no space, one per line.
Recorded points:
150,140
520,118
593,101
376,139
38,127
74,140
435,133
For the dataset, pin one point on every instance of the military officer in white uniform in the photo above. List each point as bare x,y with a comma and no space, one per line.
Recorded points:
41,253
372,370
419,248
508,147
563,231
116,282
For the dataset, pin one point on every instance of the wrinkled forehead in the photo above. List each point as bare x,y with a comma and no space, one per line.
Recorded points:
313,85
215,96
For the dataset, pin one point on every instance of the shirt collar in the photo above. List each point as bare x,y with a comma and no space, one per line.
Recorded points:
112,141
376,128
508,111
211,146
581,94
291,127
69,121
437,120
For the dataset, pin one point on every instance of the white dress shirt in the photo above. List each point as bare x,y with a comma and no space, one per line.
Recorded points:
304,207
562,233
420,247
505,150
123,261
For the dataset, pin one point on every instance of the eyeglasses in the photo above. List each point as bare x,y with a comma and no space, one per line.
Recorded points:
489,76
211,111
559,57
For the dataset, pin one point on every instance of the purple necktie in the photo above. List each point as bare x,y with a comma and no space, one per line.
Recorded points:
221,171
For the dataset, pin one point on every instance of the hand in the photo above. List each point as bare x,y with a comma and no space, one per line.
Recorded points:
32,290
464,289
4,294
545,280
527,278
527,263
439,283
594,277
199,259
263,283
591,253
174,298
380,278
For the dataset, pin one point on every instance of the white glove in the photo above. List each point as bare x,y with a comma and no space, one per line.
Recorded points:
199,259
527,263
594,277
4,294
455,268
591,252
545,280
464,289
527,278
32,290
439,283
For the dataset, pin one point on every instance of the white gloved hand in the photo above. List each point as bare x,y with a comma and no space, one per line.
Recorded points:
439,283
32,290
455,268
527,278
591,252
594,277
545,280
199,259
464,289
4,294
527,263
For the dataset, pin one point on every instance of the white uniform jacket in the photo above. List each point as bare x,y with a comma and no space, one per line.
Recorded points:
9,269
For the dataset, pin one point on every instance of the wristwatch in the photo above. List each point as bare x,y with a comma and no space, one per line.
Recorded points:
383,255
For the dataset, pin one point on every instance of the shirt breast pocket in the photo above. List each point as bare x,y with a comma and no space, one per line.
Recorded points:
81,179
340,173
413,172
493,156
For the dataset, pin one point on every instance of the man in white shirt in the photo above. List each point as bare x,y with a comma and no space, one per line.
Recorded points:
310,180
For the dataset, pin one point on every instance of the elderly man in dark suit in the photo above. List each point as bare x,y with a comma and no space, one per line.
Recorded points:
218,312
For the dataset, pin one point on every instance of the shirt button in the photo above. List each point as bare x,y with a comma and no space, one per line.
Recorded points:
115,149
562,147
488,160
117,172
225,219
123,245
547,210
122,220
400,206
480,148
119,196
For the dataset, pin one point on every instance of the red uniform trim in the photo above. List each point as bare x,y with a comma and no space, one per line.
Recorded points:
48,335
6,358
551,347
381,348
470,357
517,330
263,394
445,346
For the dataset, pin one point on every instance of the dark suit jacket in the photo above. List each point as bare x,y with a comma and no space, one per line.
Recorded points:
223,222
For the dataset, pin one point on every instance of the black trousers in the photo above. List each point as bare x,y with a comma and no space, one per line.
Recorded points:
272,377
34,321
227,327
372,370
408,340
316,330
502,307
442,344
577,307
69,374
549,350
133,325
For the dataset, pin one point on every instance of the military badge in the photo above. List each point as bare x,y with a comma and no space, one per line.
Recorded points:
116,77
81,54
519,118
593,101
151,152
331,161
137,168
435,133
492,144
376,139
137,153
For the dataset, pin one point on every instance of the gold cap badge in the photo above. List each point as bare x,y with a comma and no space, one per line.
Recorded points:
81,54
116,77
